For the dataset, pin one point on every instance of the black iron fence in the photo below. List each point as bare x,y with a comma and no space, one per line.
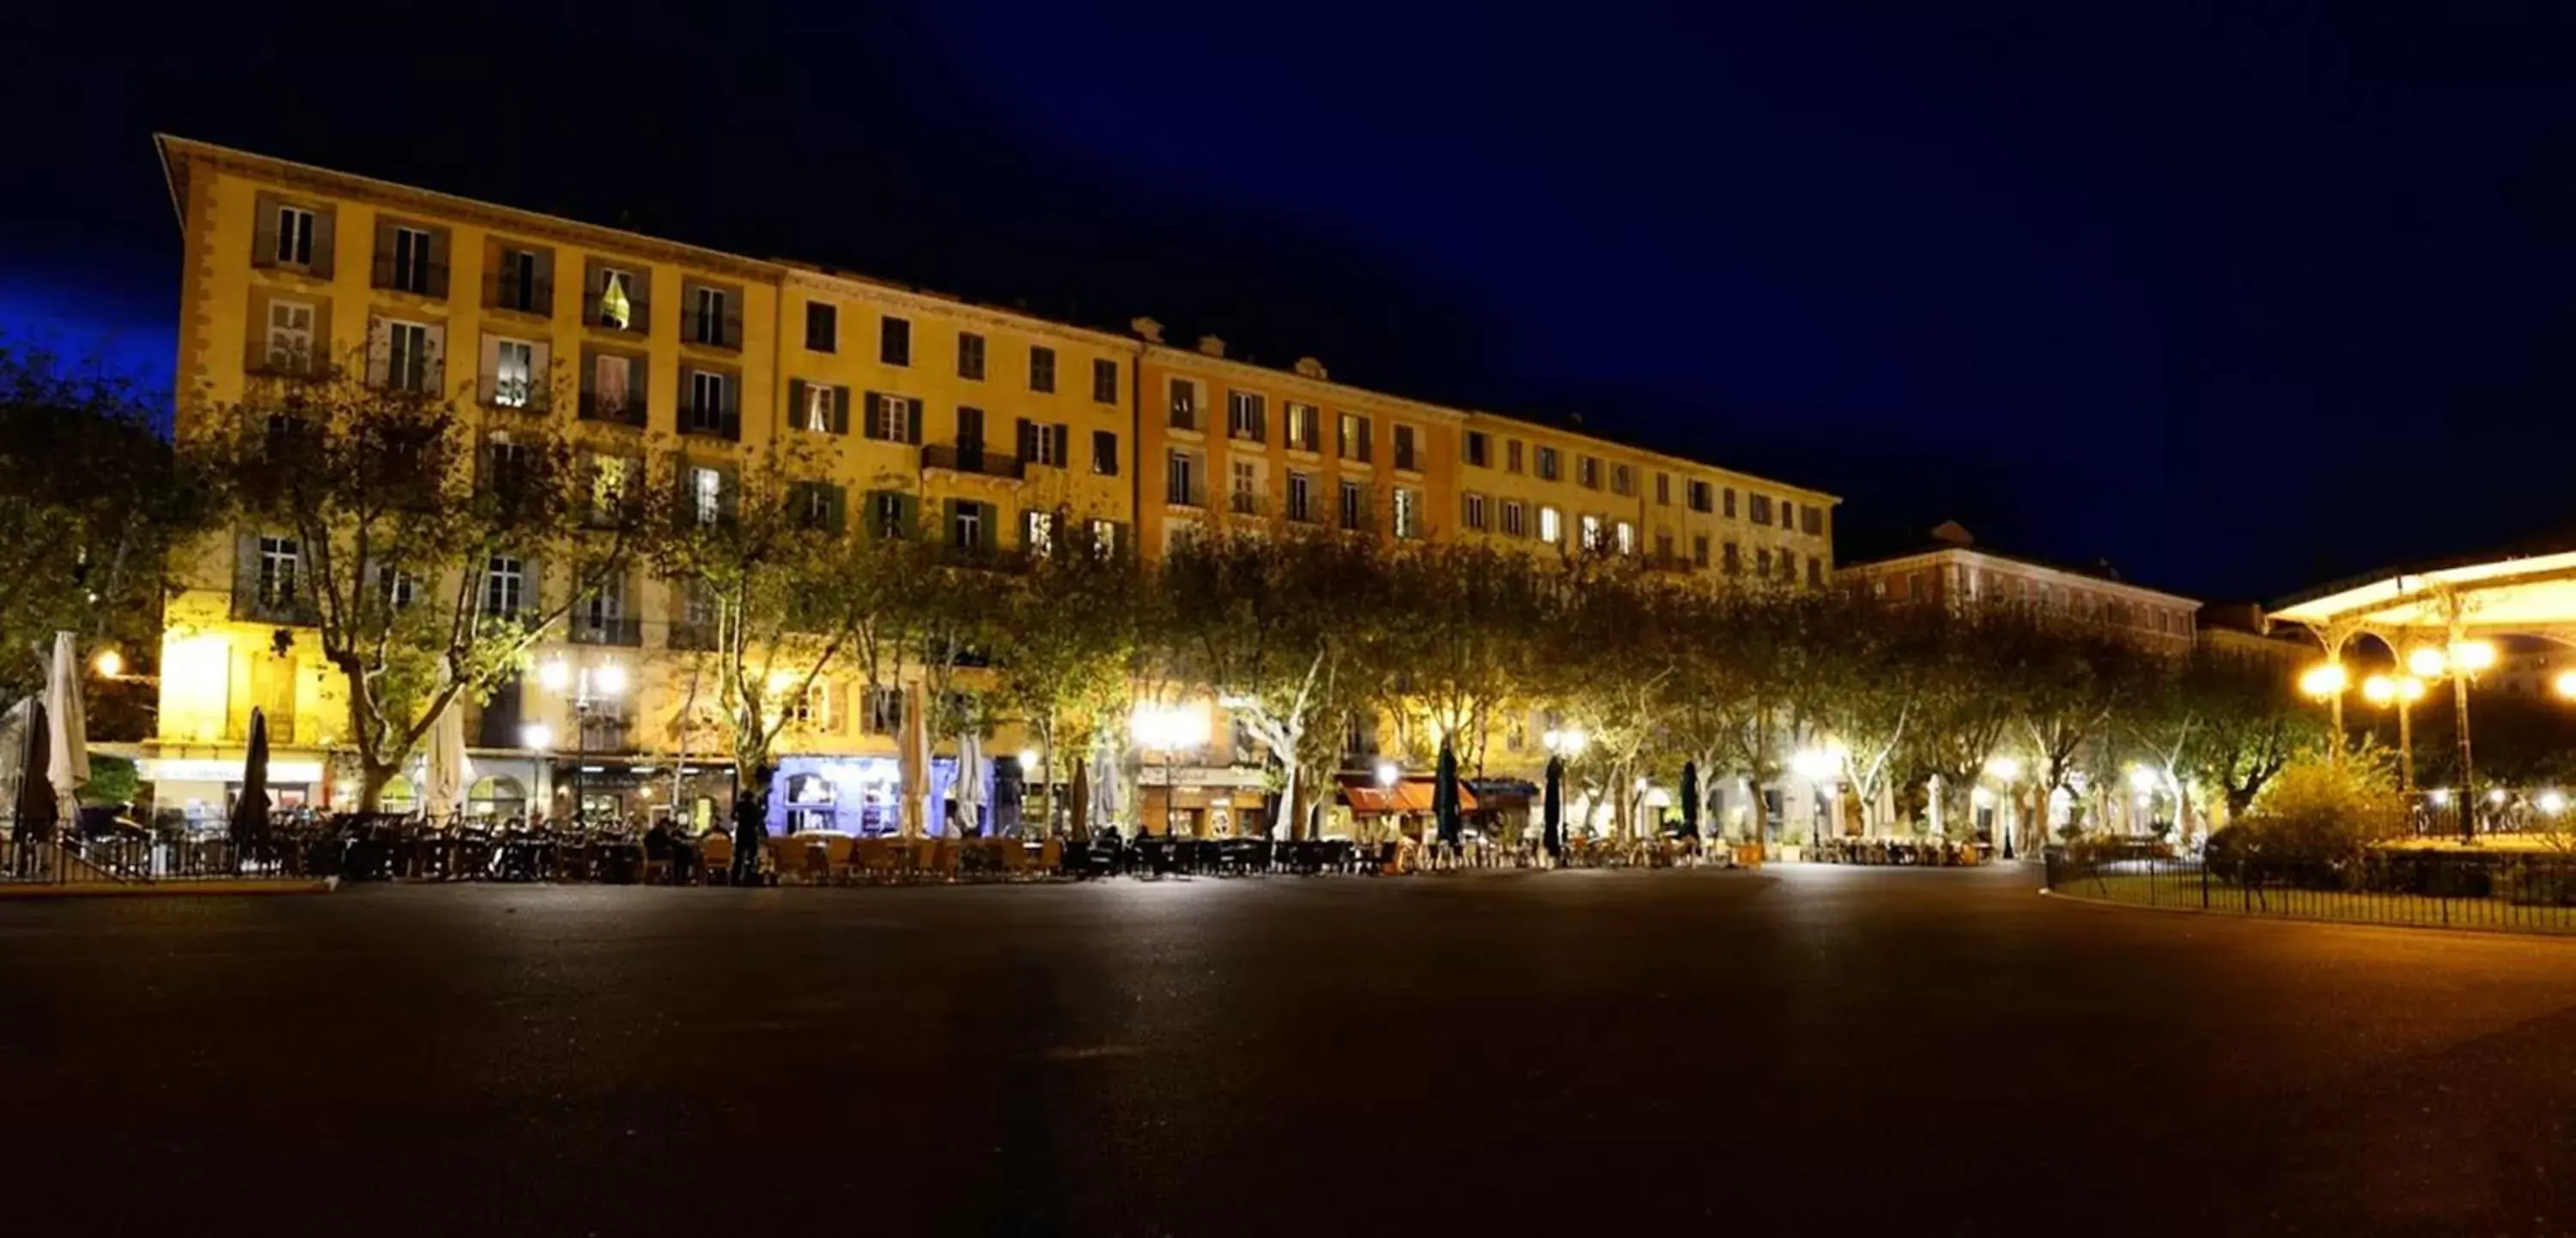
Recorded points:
2508,891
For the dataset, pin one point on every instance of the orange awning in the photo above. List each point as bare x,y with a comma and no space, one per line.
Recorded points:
1366,798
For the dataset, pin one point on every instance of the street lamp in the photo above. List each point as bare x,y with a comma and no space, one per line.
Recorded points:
1818,766
2402,691
593,687
2326,682
110,664
1165,730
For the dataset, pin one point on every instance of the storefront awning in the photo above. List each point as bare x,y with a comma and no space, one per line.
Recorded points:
1366,798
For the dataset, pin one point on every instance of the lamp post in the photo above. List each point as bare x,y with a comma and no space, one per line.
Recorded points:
2326,681
592,688
1562,745
2401,691
1817,766
2461,661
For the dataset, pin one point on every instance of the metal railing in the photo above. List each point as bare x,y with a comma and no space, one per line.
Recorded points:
980,461
706,330
2504,891
639,314
605,630
724,423
518,395
419,277
626,412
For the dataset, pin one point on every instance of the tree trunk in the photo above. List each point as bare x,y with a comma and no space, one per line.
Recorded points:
372,777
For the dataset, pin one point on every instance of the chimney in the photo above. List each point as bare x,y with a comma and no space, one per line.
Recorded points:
1151,330
1953,533
1308,367
1211,345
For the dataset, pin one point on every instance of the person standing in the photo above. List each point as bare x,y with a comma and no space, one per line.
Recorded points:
750,831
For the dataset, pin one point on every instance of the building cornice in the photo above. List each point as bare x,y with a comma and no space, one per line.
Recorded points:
881,292
1979,558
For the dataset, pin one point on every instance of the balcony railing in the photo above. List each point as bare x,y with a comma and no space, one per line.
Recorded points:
518,395
626,412
601,733
503,292
605,630
980,461
723,423
421,278
686,635
261,358
252,604
710,330
639,314
1246,503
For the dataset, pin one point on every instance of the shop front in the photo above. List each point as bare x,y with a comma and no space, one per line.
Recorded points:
863,796
1203,801
197,793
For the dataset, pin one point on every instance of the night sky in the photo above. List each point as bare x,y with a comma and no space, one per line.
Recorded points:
2241,297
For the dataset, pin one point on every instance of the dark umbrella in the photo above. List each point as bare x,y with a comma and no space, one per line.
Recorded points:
250,812
1690,800
1552,808
36,810
1444,795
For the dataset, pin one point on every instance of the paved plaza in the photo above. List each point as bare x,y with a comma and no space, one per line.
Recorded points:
1817,1049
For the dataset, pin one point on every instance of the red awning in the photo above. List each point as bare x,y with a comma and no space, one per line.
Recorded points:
1366,798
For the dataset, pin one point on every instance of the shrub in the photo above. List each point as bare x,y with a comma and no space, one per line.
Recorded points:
2319,809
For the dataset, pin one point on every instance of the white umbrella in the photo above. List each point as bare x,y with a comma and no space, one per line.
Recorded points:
450,770
1108,802
970,783
912,758
68,769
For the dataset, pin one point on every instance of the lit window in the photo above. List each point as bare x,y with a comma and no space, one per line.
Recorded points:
706,492
1037,532
279,558
513,373
1592,540
1408,513
1627,538
505,584
616,302
1551,525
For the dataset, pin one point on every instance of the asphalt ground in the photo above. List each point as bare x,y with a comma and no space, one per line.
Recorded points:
1812,1050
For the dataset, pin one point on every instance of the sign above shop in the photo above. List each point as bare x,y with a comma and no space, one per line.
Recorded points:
1249,776
182,769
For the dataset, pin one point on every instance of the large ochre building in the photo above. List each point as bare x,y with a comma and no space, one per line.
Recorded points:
980,424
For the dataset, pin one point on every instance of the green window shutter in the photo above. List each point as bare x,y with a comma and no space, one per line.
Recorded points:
837,509
912,424
1028,448
948,521
796,402
875,408
841,410
909,505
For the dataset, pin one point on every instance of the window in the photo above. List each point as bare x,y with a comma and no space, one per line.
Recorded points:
1758,508
1301,497
1404,454
1701,497
1472,514
1623,480
1041,368
1043,444
505,585
1354,506
811,709
825,409
606,604
1626,540
1592,538
966,526
1551,525
1789,566
616,391
710,313
1512,456
397,588
1037,532
822,327
506,464
1663,546
816,505
1355,437
1478,448
410,270
608,482
514,365
294,236
616,299
886,515
1180,479
1515,519
1730,502
1812,520
407,359
1587,472
1305,427
970,356
706,493
710,408
893,418
1762,569
1104,537
1244,496
1104,452
518,284
279,561
1663,489
1185,404
1246,416
1408,513
884,712
1816,574
1104,381
290,334
1699,549
894,341
1547,466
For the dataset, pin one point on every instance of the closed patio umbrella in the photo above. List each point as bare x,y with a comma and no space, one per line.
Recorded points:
1444,795
449,772
1690,800
1552,808
970,784
1107,802
250,813
1078,802
35,808
67,767
913,764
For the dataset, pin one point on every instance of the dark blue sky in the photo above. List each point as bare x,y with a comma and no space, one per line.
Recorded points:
2212,291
